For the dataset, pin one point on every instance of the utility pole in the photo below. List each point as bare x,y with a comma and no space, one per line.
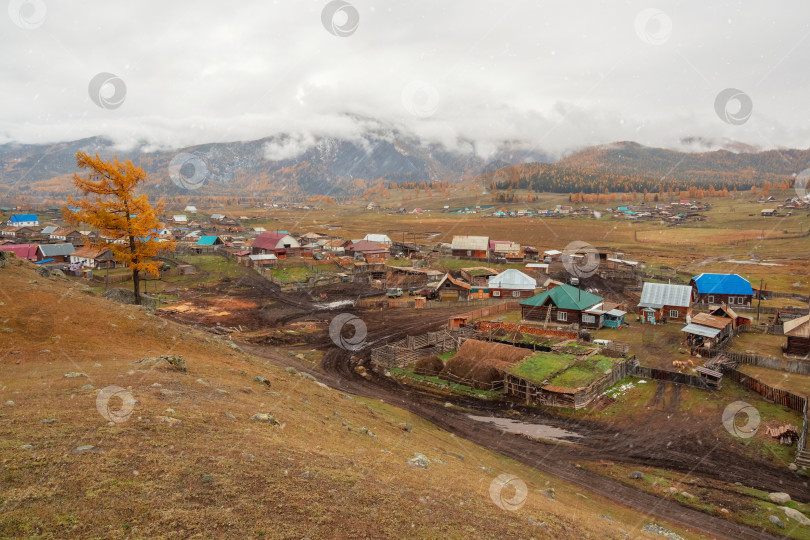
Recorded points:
759,300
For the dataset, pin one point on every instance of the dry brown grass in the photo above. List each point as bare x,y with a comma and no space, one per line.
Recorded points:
211,475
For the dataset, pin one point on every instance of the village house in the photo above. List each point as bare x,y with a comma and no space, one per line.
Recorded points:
798,337
478,275
366,250
736,320
55,252
190,209
378,239
663,302
731,289
23,220
512,283
505,249
279,243
474,247
451,289
262,260
22,251
563,304
182,219
18,232
91,257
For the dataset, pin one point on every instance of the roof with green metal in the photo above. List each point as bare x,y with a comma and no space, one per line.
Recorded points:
564,297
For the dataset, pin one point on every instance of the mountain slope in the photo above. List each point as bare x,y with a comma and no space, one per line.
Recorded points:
270,166
188,461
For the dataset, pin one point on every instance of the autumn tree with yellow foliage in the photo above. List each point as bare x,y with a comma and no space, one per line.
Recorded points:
126,222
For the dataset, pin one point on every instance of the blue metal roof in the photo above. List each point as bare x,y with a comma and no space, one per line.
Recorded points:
19,218
722,284
207,240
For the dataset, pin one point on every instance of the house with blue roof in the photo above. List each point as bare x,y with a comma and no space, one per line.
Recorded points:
23,220
731,289
210,241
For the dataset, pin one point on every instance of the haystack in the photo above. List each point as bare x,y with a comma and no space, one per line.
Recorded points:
480,363
428,365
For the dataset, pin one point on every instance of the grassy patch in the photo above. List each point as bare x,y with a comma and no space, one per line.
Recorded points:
541,366
583,373
451,386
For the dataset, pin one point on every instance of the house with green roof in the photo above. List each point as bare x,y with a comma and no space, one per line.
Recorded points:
565,304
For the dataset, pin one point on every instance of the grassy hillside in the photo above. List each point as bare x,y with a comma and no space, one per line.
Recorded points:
188,461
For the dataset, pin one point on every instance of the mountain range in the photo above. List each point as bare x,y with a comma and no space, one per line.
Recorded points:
295,166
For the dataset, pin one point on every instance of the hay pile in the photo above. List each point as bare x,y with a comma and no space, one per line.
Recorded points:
480,363
428,365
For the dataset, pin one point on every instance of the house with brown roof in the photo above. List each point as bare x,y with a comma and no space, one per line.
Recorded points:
92,257
367,250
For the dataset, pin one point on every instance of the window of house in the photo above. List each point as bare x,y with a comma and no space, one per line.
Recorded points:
673,314
496,293
469,253
588,318
710,299
731,299
562,316
516,294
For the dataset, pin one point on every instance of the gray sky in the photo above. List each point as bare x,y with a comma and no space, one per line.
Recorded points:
550,75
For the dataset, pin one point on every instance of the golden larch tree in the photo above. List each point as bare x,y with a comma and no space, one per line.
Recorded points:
127,223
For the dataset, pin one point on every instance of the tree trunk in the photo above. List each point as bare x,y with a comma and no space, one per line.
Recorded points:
137,281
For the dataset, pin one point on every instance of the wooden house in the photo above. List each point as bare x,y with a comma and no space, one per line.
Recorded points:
731,289
798,337
663,302
725,311
367,250
474,247
563,304
278,243
55,252
512,283
450,289
90,257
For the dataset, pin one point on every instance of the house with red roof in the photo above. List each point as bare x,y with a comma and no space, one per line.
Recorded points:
280,244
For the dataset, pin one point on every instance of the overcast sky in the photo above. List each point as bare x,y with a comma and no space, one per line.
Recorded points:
550,75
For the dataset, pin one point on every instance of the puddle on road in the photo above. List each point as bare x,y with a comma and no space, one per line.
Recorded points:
336,304
536,431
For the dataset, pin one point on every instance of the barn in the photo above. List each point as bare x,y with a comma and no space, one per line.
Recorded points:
798,337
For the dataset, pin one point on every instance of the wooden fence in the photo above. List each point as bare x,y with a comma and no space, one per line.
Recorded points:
798,367
801,446
412,348
491,326
782,397
695,381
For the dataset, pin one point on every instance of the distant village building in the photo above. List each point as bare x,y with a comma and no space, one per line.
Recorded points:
280,244
476,247
378,239
23,220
